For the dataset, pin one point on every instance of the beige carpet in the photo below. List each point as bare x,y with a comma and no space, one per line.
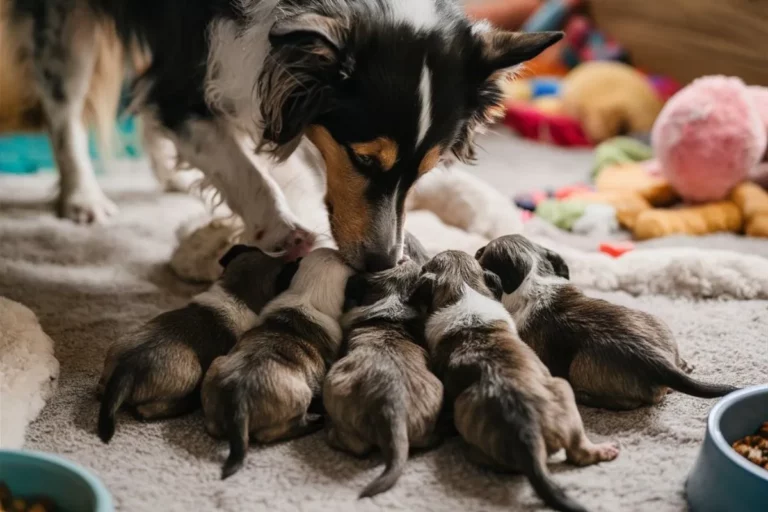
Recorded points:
88,285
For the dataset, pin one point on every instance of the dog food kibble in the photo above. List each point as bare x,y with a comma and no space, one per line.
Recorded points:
10,504
755,448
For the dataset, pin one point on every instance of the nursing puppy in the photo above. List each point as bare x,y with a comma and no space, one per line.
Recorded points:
613,356
506,405
264,386
159,368
381,393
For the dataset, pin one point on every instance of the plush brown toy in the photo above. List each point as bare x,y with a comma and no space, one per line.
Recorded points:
752,200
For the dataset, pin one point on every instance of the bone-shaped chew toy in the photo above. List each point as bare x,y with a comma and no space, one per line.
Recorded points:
691,220
752,200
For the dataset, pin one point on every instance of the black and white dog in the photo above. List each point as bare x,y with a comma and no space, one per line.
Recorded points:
385,89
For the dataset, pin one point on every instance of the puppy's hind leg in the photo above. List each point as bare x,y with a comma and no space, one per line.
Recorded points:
579,449
299,426
348,442
64,54
168,408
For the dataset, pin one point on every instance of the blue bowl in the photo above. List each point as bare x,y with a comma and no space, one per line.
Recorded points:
722,480
71,487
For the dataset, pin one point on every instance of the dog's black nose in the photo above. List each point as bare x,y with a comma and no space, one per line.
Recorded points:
376,262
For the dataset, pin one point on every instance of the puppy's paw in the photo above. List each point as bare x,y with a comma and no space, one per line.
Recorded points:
85,205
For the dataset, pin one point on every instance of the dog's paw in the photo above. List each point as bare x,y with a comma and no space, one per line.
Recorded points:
294,244
605,452
86,206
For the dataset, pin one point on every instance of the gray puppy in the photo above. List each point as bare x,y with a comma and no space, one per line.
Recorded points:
381,393
613,356
159,368
506,405
263,388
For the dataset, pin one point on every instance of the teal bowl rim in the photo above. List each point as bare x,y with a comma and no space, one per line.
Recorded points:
101,494
713,426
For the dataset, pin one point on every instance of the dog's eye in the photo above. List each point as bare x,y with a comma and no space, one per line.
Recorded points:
365,160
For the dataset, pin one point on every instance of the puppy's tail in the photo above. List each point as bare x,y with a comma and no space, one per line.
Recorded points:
673,377
237,432
523,443
393,441
116,391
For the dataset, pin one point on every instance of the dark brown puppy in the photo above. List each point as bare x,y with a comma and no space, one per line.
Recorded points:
264,386
613,356
506,405
381,393
159,368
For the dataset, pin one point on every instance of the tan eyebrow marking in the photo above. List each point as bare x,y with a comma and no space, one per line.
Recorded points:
430,160
383,149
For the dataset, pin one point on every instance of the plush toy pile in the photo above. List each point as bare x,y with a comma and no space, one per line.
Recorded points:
704,172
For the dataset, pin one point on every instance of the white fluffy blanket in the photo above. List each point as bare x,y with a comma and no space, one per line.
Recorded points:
28,371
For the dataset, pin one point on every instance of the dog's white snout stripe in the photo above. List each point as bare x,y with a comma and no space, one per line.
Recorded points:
425,99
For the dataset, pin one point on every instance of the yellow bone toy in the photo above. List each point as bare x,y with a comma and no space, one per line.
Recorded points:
752,200
692,220
631,177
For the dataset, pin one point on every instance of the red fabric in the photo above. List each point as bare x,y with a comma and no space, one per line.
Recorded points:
531,123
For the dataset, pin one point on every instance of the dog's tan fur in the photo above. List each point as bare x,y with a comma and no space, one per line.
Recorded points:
381,393
506,404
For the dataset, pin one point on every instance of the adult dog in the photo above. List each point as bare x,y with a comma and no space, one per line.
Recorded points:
384,89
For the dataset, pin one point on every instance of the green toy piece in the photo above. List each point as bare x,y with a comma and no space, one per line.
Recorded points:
562,214
620,150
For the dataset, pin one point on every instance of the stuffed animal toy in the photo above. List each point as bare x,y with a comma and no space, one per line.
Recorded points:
708,138
610,98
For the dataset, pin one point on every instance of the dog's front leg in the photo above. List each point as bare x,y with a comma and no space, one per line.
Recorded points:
269,223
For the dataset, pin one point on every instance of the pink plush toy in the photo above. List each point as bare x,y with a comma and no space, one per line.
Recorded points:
760,96
709,137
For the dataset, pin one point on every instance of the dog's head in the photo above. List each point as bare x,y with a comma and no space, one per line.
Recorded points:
513,257
443,279
386,291
385,90
255,276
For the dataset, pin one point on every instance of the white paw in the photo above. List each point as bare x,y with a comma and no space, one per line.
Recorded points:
607,451
86,206
287,239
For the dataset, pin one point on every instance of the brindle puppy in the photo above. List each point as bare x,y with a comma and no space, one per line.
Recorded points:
506,405
264,386
613,356
159,368
381,393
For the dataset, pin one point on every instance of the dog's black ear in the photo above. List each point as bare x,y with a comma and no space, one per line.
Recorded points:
285,276
234,252
558,263
421,296
355,290
500,49
479,253
493,282
299,77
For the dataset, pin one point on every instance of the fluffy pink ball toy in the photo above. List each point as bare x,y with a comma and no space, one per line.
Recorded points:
708,137
760,96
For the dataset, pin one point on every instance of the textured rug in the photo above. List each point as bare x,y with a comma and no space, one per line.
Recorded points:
89,285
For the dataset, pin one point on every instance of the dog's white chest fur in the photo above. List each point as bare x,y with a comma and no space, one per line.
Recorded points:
473,309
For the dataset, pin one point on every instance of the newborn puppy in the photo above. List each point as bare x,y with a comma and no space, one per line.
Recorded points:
381,393
613,356
159,368
264,386
506,405
413,249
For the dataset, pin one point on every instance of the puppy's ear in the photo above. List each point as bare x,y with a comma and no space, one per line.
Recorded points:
479,253
234,252
493,282
355,290
414,250
558,264
500,49
422,293
299,76
284,278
